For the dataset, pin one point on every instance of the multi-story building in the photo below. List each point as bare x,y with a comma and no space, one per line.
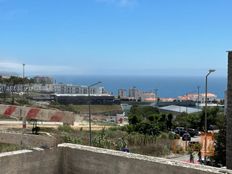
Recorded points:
148,97
135,93
14,88
76,89
43,80
122,93
42,87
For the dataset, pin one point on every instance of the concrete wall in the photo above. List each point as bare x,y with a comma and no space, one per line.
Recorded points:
31,162
27,140
77,159
89,160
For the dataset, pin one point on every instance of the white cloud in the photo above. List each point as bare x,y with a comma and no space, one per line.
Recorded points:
15,67
122,3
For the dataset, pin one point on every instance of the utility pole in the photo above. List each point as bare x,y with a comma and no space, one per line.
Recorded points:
23,70
198,96
206,101
89,103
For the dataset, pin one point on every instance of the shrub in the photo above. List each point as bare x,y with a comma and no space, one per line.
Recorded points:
65,128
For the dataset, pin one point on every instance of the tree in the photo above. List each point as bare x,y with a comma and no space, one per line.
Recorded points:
220,148
169,121
146,120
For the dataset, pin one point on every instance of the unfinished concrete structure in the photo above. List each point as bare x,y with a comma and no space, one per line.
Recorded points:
77,159
229,114
35,113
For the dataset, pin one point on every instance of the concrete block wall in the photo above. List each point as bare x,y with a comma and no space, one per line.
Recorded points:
79,159
31,162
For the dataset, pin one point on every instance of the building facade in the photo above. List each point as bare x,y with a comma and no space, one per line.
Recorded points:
122,93
201,97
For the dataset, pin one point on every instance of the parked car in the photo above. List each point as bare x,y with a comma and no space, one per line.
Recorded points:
192,132
179,130
186,137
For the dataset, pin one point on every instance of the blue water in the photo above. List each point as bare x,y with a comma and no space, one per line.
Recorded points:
167,86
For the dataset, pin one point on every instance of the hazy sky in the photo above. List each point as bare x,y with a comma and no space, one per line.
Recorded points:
140,37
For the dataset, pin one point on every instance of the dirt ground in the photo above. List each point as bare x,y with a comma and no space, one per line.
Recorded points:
4,125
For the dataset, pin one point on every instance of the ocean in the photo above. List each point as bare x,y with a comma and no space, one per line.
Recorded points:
167,86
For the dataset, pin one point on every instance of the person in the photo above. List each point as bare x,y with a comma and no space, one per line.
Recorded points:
191,157
199,157
125,149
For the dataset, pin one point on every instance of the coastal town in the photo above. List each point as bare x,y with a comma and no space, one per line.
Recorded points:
115,87
44,89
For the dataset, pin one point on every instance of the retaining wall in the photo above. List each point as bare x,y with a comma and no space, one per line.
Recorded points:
27,140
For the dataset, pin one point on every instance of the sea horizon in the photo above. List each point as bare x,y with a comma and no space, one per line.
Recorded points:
168,86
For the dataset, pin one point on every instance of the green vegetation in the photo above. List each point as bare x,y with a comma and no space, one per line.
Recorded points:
145,136
220,148
148,120
215,118
116,138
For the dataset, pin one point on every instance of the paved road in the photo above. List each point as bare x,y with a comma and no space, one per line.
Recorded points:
186,157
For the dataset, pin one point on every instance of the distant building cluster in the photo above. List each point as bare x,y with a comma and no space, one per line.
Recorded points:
135,94
199,98
66,89
43,80
47,85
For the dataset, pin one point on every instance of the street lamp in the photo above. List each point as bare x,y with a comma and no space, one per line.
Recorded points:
23,70
89,102
198,96
206,100
156,96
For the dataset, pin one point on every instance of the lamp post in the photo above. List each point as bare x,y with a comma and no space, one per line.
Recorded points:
23,76
156,96
198,96
23,70
206,100
89,103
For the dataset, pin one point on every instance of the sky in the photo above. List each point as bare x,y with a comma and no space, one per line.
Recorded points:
115,37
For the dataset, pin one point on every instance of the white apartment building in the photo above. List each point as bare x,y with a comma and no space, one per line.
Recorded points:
42,87
16,88
52,88
76,89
